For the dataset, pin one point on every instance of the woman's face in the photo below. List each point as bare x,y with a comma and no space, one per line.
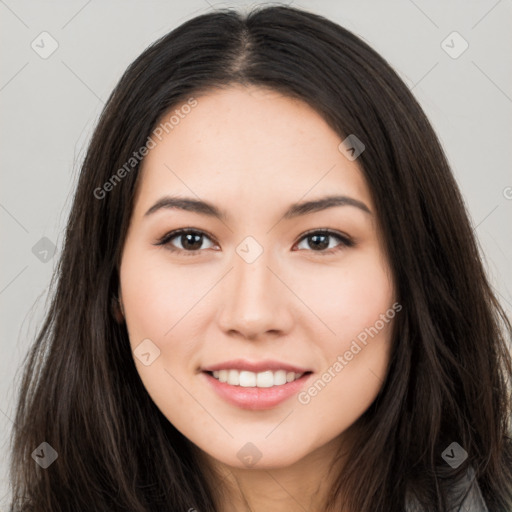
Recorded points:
258,292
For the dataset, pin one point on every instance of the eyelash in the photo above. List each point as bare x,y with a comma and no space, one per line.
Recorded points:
345,240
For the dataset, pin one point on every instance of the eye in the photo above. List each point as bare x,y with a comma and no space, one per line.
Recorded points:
320,241
189,241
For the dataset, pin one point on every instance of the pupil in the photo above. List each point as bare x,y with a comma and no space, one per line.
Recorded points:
319,244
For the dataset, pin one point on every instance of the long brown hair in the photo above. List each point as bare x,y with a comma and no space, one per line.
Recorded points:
450,367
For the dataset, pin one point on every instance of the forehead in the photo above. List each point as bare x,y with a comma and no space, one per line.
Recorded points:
249,145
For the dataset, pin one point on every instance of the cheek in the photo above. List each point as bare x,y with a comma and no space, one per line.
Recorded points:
156,298
156,294
358,307
165,302
351,298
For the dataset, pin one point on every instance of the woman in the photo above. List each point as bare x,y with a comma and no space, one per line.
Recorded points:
270,296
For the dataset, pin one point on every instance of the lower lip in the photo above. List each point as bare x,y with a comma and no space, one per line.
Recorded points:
256,398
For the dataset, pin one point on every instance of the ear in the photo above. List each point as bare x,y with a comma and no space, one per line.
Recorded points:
117,310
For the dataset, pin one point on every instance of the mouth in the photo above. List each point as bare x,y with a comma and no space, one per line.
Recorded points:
248,379
255,386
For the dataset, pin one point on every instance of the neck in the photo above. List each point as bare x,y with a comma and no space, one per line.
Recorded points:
303,485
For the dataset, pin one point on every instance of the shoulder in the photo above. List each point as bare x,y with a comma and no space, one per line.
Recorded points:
473,500
465,496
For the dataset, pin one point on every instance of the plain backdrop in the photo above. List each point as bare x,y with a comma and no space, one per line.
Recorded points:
51,102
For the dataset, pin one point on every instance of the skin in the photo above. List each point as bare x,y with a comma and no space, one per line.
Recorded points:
253,152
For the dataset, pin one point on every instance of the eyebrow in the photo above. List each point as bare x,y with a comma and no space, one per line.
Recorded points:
294,210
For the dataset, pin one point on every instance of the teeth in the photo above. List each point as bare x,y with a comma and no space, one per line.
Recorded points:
233,378
265,379
247,379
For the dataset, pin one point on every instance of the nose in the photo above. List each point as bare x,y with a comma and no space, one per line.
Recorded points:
254,301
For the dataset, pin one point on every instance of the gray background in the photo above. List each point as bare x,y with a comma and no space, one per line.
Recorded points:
50,106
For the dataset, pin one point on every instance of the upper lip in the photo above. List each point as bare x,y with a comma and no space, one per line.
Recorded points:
254,366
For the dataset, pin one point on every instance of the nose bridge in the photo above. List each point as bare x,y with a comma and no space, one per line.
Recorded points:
254,300
252,279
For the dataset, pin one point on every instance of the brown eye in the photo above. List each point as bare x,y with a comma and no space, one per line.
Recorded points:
184,240
324,241
190,241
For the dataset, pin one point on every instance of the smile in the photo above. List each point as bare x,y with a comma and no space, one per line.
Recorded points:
247,379
263,390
